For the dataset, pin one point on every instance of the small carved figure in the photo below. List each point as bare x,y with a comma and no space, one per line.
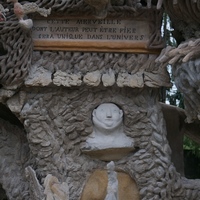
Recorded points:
2,13
108,128
112,188
21,10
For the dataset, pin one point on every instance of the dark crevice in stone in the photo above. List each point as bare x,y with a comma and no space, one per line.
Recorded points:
2,194
7,115
2,50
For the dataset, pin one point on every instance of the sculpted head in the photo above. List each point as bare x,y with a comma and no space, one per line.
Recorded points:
107,116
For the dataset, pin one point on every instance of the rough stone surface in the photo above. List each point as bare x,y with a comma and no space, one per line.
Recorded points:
57,125
176,128
186,73
14,156
108,78
58,120
38,76
134,81
59,131
16,102
16,43
5,94
131,70
92,78
185,57
35,188
68,80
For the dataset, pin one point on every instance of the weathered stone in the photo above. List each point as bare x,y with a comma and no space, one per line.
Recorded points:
36,189
58,120
108,79
14,152
38,76
5,94
67,80
134,81
16,102
92,78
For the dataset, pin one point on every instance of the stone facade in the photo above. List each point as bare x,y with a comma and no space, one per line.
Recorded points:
54,93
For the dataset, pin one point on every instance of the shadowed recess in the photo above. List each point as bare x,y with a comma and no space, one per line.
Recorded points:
2,194
2,50
7,115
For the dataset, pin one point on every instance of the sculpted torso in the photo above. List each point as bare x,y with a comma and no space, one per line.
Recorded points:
108,128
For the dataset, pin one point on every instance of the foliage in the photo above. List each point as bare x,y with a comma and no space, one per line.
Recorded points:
174,97
189,144
167,31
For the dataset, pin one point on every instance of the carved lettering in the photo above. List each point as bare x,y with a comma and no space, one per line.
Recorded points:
95,37
70,36
53,21
39,28
96,21
88,30
46,36
64,29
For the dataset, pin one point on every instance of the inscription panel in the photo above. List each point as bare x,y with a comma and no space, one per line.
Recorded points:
116,35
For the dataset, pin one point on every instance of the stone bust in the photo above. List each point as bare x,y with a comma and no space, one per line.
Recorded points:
108,132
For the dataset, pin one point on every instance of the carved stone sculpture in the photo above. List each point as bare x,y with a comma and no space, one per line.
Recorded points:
108,128
21,10
108,140
58,97
112,188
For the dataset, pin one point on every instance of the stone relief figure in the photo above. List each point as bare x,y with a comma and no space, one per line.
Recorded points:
21,10
108,128
112,188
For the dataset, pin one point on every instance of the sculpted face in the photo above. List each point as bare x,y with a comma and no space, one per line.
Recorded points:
107,116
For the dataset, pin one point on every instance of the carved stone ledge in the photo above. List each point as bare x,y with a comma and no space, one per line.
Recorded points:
109,154
76,69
